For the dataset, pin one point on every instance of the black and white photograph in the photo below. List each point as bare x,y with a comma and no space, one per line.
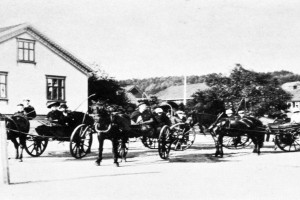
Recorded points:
149,99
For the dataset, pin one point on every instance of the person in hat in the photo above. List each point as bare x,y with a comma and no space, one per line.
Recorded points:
20,110
68,117
179,117
161,119
29,110
145,115
55,117
145,119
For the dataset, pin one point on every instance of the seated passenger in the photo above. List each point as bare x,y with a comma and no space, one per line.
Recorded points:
161,119
67,116
55,117
28,109
144,118
179,117
20,110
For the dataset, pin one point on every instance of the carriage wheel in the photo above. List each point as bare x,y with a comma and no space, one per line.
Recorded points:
151,143
238,142
183,139
35,146
81,141
288,142
164,142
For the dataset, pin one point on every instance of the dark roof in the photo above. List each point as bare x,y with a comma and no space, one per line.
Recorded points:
176,92
9,32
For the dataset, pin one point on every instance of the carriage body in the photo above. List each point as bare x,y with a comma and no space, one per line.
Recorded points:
287,135
78,132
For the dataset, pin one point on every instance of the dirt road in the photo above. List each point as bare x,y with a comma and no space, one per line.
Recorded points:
191,174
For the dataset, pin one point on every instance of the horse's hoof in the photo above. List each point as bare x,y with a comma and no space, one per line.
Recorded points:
117,164
97,163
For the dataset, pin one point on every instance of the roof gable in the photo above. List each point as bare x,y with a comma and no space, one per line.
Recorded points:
7,33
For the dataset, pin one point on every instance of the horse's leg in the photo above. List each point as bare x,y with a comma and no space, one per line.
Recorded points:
16,145
124,140
255,141
221,146
100,150
115,144
22,146
260,142
217,146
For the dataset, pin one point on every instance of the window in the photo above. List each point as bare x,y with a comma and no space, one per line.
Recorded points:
3,85
26,50
56,88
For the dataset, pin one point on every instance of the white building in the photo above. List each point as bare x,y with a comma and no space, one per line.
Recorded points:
35,67
294,89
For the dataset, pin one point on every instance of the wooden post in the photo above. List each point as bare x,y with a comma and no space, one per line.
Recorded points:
3,153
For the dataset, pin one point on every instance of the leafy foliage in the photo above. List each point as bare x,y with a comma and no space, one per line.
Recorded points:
244,89
106,88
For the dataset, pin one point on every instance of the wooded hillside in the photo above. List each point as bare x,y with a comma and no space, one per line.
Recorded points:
157,84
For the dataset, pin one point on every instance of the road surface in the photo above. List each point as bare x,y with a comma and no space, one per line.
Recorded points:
191,174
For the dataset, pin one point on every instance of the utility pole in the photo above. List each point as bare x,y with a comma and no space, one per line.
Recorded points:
184,90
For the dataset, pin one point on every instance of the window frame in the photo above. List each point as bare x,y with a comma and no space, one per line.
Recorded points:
6,93
63,78
27,49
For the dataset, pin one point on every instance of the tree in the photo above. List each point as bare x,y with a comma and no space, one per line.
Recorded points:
106,88
244,89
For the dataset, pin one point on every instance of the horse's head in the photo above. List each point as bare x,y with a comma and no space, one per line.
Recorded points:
102,116
97,107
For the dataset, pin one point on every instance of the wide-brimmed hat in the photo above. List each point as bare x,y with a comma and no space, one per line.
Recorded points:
63,105
52,103
20,104
141,103
100,102
180,112
158,110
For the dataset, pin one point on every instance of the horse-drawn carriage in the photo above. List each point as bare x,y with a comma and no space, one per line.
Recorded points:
117,126
78,133
240,132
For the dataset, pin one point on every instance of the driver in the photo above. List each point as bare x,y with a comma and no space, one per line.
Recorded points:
144,118
55,117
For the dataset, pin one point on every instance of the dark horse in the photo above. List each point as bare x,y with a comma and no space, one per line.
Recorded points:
109,126
213,115
17,127
237,127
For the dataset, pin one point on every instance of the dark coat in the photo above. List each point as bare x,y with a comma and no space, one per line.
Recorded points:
56,116
30,112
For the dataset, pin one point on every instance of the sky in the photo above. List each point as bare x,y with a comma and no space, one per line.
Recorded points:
153,38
